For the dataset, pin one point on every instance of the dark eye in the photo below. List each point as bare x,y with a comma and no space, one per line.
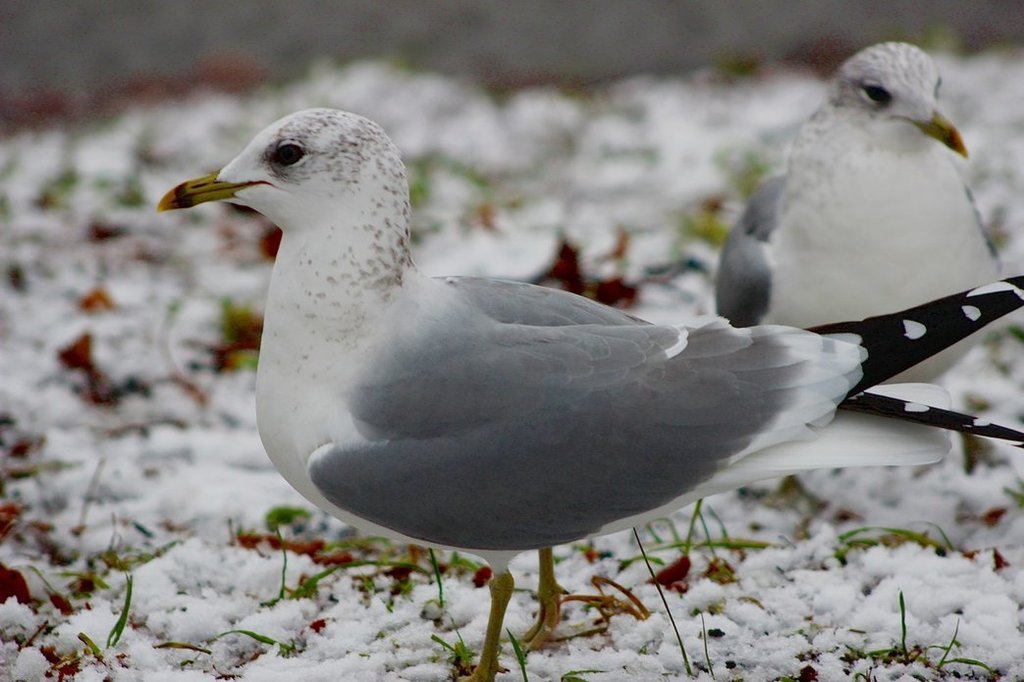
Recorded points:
287,154
876,93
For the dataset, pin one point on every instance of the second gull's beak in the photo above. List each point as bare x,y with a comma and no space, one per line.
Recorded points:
943,130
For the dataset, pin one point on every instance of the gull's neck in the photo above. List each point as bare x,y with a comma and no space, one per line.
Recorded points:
331,287
341,268
332,284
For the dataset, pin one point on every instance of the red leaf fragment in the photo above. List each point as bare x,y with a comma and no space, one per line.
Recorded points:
83,585
9,513
61,604
68,669
335,559
253,540
991,517
101,232
566,268
12,584
318,625
998,560
674,575
565,273
482,576
78,354
24,447
808,674
96,301
311,548
399,573
99,389
615,291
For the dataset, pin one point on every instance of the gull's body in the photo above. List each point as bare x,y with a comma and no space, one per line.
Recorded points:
872,215
498,417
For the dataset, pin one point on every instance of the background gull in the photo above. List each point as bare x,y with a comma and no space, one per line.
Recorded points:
497,417
871,215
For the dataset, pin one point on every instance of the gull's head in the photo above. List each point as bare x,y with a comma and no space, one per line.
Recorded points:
306,170
893,89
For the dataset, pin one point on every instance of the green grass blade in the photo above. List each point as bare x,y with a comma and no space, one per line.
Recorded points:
93,648
115,632
437,578
672,620
903,624
182,645
948,647
707,654
520,656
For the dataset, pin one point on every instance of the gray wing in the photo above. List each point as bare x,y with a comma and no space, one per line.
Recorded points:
493,435
743,285
518,303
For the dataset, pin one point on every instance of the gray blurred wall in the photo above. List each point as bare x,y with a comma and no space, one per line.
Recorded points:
86,49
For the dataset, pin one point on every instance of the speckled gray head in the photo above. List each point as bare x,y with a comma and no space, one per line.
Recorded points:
304,167
894,83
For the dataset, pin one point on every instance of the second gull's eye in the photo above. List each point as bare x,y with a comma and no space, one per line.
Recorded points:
877,94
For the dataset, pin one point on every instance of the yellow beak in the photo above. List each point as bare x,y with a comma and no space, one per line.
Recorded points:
943,130
199,191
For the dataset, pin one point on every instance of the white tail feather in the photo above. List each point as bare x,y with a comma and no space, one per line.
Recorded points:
850,440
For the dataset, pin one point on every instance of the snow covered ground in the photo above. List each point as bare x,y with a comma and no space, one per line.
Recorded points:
137,457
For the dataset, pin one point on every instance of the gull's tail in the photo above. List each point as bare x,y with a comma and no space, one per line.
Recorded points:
870,402
898,341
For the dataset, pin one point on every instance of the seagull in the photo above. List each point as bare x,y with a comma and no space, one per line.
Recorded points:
872,214
497,417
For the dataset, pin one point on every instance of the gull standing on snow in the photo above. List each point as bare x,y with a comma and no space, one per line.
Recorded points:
872,214
497,417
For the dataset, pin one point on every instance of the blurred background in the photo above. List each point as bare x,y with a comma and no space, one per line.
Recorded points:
79,57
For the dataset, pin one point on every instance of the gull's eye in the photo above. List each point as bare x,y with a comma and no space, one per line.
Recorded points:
878,94
287,154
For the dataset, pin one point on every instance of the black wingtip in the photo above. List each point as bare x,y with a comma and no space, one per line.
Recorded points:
898,341
895,408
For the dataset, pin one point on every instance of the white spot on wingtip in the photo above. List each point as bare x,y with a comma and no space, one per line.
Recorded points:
995,287
970,312
914,330
915,407
978,421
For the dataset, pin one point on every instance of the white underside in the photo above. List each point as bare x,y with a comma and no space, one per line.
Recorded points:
871,233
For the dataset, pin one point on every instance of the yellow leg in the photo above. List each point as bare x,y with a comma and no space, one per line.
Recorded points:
549,599
501,591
